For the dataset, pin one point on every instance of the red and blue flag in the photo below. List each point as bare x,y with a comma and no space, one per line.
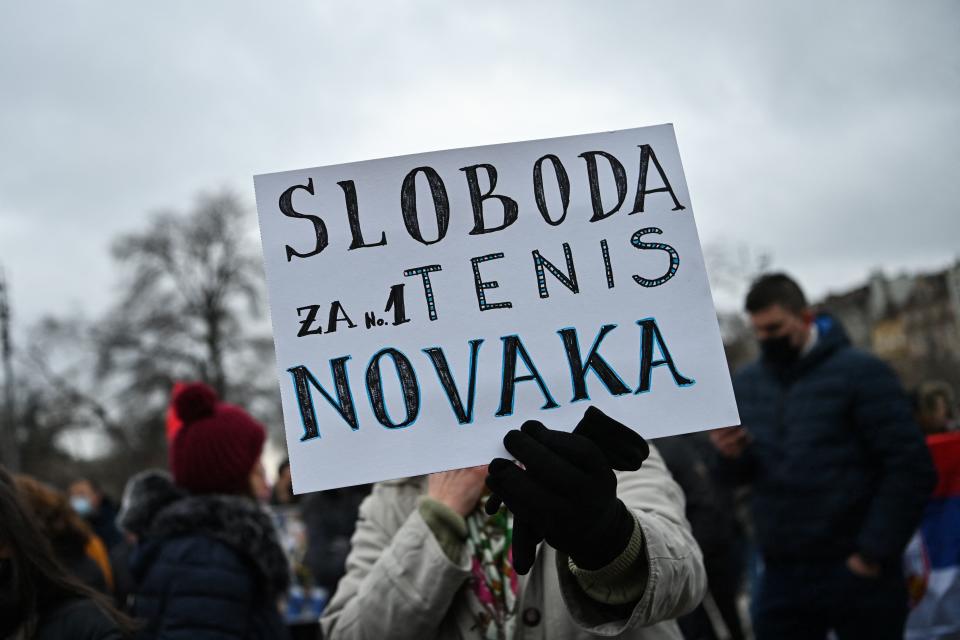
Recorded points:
932,558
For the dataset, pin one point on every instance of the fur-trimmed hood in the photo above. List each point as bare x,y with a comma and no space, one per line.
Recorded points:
145,495
156,510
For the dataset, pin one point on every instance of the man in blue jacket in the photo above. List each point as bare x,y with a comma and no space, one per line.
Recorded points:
839,472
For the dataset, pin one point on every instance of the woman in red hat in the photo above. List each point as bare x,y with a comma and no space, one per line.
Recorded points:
208,563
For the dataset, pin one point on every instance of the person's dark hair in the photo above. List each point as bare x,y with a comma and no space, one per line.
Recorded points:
281,495
66,531
38,578
775,288
926,395
94,485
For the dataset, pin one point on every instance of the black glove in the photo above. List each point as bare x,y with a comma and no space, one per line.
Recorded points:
567,492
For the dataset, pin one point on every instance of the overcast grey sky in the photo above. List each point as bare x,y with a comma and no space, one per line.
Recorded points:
824,132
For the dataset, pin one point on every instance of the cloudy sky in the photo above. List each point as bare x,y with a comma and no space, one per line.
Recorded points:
825,133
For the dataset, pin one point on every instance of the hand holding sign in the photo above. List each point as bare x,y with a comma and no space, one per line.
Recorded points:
459,489
566,494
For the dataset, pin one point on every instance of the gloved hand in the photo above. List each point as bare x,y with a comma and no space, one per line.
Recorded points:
566,493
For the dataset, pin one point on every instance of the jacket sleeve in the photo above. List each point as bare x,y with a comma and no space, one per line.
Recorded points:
399,583
896,446
673,574
744,468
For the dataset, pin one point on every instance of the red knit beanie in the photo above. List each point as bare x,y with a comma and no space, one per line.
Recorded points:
218,445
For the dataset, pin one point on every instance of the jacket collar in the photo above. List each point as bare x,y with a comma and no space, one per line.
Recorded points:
238,522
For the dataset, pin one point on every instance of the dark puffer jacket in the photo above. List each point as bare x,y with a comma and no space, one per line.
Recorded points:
837,463
330,518
207,566
709,506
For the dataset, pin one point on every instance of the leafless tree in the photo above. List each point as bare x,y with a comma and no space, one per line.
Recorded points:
732,267
193,279
188,308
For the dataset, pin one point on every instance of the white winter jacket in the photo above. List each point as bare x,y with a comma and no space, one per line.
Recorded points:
400,584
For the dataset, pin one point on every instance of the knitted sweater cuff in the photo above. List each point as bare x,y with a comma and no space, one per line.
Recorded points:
447,526
619,582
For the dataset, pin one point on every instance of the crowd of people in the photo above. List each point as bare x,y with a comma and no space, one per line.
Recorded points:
833,509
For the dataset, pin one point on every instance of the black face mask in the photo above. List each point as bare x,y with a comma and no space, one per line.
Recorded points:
11,608
778,351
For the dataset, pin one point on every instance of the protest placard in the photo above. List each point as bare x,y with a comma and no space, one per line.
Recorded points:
424,305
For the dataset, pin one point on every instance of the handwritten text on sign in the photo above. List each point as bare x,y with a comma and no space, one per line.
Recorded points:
424,305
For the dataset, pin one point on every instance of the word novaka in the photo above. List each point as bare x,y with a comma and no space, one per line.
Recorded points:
513,350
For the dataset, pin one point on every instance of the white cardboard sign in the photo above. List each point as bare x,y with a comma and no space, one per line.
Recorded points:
424,305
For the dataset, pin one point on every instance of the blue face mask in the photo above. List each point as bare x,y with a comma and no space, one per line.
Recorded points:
81,505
